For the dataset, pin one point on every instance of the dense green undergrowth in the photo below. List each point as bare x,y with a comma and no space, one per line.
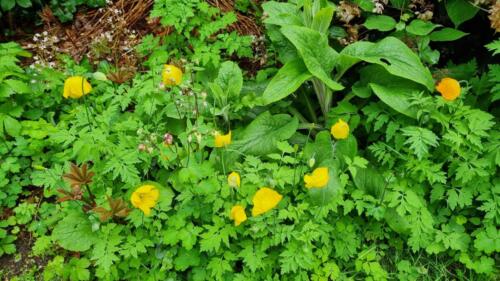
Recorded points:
342,159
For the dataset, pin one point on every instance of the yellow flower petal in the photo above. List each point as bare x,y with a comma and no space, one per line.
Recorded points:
145,197
234,179
75,87
340,130
318,179
238,214
222,140
171,75
449,88
264,200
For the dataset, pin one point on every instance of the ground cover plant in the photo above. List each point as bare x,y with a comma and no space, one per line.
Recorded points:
248,140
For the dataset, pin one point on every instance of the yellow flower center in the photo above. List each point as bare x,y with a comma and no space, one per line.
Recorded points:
75,87
145,198
171,75
238,214
264,200
340,130
318,179
222,140
449,88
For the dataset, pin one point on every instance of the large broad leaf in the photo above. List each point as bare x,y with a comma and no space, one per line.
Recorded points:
460,11
390,53
371,181
229,81
286,81
260,136
74,233
313,47
281,13
396,222
393,91
322,19
332,191
321,149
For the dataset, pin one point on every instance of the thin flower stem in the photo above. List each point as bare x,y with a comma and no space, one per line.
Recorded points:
86,106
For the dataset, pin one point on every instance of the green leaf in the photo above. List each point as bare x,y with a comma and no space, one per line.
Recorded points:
12,126
74,233
460,11
321,149
447,34
77,269
282,13
393,91
18,86
24,3
186,259
371,181
324,196
7,5
322,19
346,148
420,140
494,47
365,5
488,240
286,81
400,4
262,134
314,49
106,248
230,80
420,27
381,23
390,53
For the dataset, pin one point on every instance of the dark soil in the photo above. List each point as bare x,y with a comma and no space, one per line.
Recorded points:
21,262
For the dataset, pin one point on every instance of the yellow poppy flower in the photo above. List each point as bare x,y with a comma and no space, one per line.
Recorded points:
75,87
264,200
145,198
222,140
234,179
340,130
171,75
238,214
449,88
318,179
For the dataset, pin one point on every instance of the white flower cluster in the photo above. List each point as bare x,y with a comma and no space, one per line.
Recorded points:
45,47
379,6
